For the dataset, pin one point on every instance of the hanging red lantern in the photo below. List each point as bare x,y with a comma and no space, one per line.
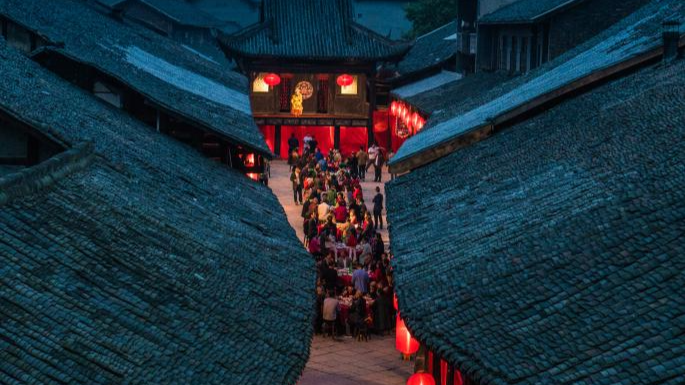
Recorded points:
345,80
421,379
393,108
272,79
404,342
415,119
420,124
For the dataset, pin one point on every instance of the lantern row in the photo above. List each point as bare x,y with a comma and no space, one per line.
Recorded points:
272,80
411,119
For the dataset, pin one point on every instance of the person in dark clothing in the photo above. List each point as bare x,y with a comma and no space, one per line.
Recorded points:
330,277
378,248
313,144
318,318
378,166
382,310
293,143
296,180
357,312
378,209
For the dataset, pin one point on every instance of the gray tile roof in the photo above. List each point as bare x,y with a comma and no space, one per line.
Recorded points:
636,35
311,29
430,50
554,251
526,11
184,12
167,73
460,95
135,260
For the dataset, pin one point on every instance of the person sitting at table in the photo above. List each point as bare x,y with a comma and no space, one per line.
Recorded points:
314,247
375,273
360,279
373,290
350,237
365,256
340,212
330,311
357,312
330,276
348,292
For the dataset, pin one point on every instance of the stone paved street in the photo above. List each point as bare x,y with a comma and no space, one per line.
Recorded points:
348,362
343,361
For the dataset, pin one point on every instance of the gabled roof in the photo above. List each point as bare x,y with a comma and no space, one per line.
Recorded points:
634,40
132,259
184,13
462,94
430,50
311,30
527,11
168,74
554,251
424,85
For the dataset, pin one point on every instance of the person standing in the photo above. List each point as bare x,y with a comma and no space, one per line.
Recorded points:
293,143
296,179
373,152
362,159
378,165
360,279
378,209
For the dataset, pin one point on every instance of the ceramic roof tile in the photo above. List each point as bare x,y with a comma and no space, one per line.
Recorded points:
554,251
164,71
132,259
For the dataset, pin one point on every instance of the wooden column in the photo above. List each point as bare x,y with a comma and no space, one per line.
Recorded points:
372,105
436,369
277,140
450,375
336,137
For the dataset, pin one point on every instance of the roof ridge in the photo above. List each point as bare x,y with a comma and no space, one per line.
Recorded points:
30,180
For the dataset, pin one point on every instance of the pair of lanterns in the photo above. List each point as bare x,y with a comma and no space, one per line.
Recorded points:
412,120
272,80
407,345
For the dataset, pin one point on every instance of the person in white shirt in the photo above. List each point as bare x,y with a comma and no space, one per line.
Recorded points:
323,210
373,152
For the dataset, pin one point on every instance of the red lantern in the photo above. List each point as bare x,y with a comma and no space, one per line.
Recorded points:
421,379
420,124
415,119
345,80
404,342
393,108
272,79
394,302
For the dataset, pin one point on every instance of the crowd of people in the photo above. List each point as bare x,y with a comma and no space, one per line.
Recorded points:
341,233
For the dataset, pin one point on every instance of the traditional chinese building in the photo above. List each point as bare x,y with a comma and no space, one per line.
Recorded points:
128,257
313,71
555,244
164,84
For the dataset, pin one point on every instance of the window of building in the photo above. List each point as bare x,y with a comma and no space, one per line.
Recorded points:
258,85
107,93
352,89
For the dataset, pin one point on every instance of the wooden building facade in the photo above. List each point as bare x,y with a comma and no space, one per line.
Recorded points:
311,60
